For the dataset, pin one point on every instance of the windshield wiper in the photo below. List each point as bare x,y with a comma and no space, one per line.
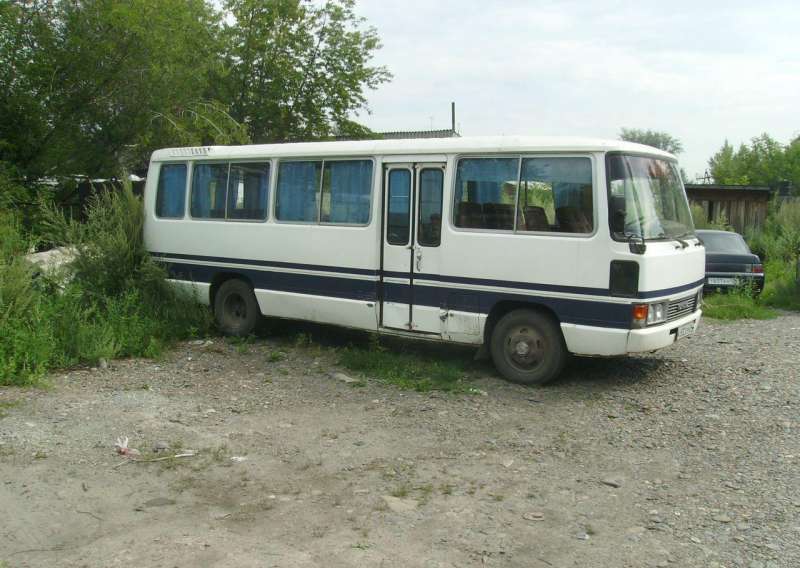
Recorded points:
684,244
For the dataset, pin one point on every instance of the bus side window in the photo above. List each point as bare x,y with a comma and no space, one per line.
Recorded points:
248,185
346,192
555,194
171,191
298,191
209,187
485,193
431,181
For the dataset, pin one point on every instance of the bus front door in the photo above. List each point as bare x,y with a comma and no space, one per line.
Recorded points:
411,236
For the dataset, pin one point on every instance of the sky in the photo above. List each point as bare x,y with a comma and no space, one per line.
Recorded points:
703,71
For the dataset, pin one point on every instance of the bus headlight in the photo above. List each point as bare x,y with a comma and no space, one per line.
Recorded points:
657,313
649,314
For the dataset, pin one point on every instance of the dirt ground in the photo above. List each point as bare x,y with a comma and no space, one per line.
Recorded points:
686,457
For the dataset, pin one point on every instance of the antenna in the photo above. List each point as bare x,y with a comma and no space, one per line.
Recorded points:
453,116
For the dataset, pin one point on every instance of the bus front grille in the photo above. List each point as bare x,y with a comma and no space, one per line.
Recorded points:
681,307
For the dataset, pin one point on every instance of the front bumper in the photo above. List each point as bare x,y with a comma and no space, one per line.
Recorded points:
604,342
659,336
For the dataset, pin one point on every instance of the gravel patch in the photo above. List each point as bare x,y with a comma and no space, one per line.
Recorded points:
685,457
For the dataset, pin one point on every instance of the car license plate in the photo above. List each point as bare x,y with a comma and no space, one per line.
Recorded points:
722,281
685,329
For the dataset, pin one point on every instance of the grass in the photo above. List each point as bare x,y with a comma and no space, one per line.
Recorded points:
736,305
276,356
4,406
111,301
781,290
777,243
407,370
400,492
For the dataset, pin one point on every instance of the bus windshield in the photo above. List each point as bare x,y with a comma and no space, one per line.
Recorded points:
646,199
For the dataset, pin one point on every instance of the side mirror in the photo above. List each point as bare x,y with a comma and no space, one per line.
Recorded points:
636,244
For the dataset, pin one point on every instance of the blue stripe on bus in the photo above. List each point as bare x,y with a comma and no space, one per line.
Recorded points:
433,277
269,263
331,286
583,312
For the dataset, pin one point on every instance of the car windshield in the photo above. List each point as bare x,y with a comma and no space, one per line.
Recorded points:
729,243
646,198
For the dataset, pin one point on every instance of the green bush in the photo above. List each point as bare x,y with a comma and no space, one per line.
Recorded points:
778,245
701,221
111,301
781,290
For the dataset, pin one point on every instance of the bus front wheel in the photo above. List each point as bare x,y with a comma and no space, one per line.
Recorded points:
528,348
235,308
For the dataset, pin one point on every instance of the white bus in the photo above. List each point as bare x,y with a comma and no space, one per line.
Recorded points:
532,248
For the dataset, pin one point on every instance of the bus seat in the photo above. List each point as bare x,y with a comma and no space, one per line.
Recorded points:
572,220
469,215
498,215
535,218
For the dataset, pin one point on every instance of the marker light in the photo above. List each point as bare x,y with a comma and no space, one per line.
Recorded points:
640,315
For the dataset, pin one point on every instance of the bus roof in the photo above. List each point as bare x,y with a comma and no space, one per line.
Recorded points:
459,145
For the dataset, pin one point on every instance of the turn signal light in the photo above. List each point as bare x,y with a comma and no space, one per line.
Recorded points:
640,314
758,268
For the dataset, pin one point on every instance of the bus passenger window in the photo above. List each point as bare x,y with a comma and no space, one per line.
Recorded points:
298,191
397,226
485,193
248,185
346,192
431,181
209,184
171,191
555,194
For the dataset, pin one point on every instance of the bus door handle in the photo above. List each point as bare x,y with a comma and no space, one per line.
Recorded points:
418,257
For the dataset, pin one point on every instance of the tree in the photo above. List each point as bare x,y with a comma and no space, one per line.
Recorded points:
726,168
92,86
764,161
296,70
660,140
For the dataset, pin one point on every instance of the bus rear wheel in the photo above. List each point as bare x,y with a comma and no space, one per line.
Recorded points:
528,348
235,308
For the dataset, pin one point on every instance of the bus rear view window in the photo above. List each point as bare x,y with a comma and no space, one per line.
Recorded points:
171,191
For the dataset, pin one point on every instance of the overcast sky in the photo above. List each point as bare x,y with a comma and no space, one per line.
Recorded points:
703,71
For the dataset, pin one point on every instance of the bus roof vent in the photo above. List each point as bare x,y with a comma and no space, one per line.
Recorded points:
196,151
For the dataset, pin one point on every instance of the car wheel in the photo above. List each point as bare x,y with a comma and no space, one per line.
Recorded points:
235,308
528,348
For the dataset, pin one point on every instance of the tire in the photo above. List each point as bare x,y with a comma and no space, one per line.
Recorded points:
528,348
235,308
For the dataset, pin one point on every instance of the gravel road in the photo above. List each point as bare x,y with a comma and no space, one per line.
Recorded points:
687,457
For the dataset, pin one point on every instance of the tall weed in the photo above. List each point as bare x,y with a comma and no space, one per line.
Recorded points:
111,301
778,245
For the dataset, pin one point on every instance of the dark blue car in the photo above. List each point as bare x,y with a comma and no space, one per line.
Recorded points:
729,262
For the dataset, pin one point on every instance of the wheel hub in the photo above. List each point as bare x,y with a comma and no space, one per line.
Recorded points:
525,347
235,307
